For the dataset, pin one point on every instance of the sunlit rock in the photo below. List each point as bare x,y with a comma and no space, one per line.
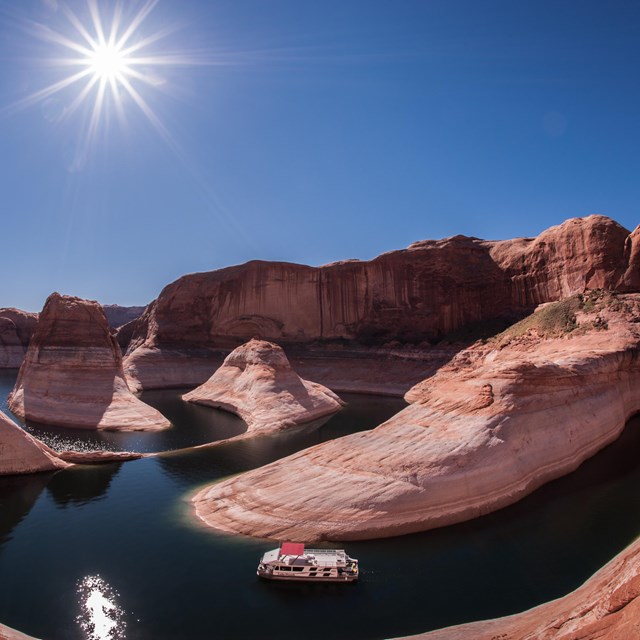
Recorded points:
487,429
22,453
416,295
72,375
256,382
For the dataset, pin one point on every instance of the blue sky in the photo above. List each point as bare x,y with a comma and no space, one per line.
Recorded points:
311,131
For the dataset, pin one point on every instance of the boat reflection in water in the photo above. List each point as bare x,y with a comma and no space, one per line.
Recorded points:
101,618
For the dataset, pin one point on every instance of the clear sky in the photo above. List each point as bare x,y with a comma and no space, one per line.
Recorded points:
303,130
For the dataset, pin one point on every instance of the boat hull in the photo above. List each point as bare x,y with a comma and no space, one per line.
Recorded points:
270,576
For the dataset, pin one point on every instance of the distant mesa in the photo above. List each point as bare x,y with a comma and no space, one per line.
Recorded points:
72,374
118,316
414,296
16,327
257,383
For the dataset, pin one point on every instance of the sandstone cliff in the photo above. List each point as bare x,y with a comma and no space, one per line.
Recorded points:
606,607
72,375
498,421
22,453
421,293
256,382
16,327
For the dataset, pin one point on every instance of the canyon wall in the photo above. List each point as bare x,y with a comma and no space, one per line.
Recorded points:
415,295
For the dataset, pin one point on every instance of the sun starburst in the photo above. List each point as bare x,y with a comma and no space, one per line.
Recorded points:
104,54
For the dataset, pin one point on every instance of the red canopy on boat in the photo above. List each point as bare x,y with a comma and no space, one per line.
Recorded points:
292,549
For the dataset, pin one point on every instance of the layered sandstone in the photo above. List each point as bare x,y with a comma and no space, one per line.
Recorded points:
606,607
418,294
72,375
257,383
22,453
16,327
498,421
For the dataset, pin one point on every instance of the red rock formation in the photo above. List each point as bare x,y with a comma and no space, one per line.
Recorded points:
22,453
417,294
606,607
6,633
257,383
72,375
496,423
16,328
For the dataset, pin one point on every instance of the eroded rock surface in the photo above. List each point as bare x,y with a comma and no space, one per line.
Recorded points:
22,453
424,292
606,607
498,421
257,383
16,327
72,375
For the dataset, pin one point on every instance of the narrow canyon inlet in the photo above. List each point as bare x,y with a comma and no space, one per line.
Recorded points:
112,551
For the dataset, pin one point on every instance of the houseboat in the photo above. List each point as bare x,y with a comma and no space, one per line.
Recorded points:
291,561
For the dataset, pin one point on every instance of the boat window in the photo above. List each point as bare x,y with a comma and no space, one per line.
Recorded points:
298,568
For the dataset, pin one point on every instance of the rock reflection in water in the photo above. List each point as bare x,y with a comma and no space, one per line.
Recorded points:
18,494
82,484
101,617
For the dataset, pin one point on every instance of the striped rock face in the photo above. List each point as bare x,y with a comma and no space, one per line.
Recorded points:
72,374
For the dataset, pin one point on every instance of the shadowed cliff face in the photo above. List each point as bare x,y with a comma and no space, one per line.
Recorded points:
421,293
16,327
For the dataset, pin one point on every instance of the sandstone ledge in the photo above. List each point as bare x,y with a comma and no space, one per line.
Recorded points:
486,430
22,453
6,633
606,607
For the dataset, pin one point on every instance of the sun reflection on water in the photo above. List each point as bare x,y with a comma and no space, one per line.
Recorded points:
101,618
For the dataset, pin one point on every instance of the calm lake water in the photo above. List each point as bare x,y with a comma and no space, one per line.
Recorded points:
131,525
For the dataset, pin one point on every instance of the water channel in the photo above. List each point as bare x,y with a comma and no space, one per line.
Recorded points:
129,527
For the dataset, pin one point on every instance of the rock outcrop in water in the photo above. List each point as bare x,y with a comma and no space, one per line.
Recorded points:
16,327
487,429
418,294
257,383
606,607
22,453
72,375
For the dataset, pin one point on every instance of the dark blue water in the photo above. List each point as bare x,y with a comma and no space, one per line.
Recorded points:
132,524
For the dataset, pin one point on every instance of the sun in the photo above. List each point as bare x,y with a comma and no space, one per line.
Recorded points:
107,63
106,55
